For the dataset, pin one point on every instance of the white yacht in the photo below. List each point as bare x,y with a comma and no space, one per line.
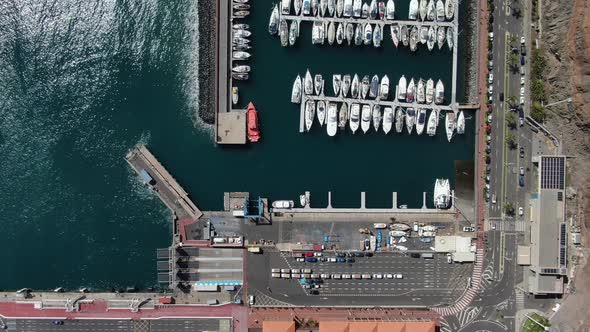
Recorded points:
354,87
420,121
368,36
241,55
439,95
450,124
318,83
376,116
440,11
366,118
241,33
421,92
387,119
423,9
365,86
355,116
347,8
314,7
423,34
345,85
384,88
297,6
358,34
390,11
349,27
284,32
429,91
461,123
296,92
339,7
430,10
450,37
321,112
340,34
273,23
308,84
234,95
410,119
399,119
377,36
401,92
414,38
440,40
293,32
331,33
450,9
336,83
343,116
365,10
431,38
309,114
411,93
357,8
413,12
442,194
405,35
374,88
373,9
394,28
432,123
332,125
323,7
306,7
285,6
331,7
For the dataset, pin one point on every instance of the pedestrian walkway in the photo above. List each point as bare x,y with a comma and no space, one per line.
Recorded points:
519,300
508,225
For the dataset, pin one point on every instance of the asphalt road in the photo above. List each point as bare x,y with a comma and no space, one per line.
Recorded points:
104,325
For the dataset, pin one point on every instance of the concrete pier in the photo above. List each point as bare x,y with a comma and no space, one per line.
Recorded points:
455,55
381,22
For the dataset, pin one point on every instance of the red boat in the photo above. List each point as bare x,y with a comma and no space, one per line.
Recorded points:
252,122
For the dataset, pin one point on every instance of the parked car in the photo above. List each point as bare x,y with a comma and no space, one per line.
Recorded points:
490,118
340,254
341,260
522,91
369,254
351,260
522,100
522,50
309,254
314,292
521,171
311,260
468,229
522,40
521,121
520,211
398,276
522,60
389,276
522,80
317,254
521,180
521,152
449,258
494,201
501,96
300,259
491,78
58,322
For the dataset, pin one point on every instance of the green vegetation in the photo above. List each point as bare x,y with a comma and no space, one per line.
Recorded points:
538,90
511,141
512,102
511,120
530,326
513,39
538,64
509,209
538,112
538,72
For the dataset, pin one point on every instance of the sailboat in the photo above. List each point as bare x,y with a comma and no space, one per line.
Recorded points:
349,33
345,85
365,85
296,92
401,86
318,83
368,34
431,38
273,23
323,7
366,118
421,92
421,121
423,34
384,88
432,123
410,119
332,125
309,114
339,7
414,36
376,116
439,95
358,34
390,10
411,93
399,119
450,36
377,36
340,34
331,33
450,9
450,125
331,7
440,11
343,116
440,37
297,6
314,7
461,123
308,84
285,6
430,11
321,112
284,32
336,83
374,88
293,32
387,119
423,9
429,91
405,35
394,33
413,12
354,88
355,110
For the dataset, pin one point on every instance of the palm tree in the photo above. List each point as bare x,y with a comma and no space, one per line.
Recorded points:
512,102
513,39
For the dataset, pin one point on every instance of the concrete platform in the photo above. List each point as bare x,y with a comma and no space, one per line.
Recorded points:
231,127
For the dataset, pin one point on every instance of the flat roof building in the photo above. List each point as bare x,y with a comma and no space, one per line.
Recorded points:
548,250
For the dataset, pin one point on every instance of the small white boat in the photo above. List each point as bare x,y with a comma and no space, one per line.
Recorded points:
318,83
331,33
234,95
308,83
411,93
297,6
354,88
240,41
296,91
431,38
306,8
365,86
387,119
355,116
302,200
332,125
404,35
402,90
421,92
440,11
373,9
413,12
440,40
323,7
240,55
309,114
284,32
394,28
339,7
374,88
314,7
293,32
410,119
365,10
357,8
414,38
242,33
321,112
336,83
368,34
430,11
450,125
376,117
241,69
343,116
340,33
273,23
349,33
241,14
241,26
442,194
347,12
399,119
432,123
423,34
439,95
366,118
377,36
450,9
423,9
461,123
331,7
384,88
283,204
429,91
358,34
420,121
285,6
450,37
345,85
390,10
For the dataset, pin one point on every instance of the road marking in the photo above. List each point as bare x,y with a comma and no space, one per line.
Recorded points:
506,86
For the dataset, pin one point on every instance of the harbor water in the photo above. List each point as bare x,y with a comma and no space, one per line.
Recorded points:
82,82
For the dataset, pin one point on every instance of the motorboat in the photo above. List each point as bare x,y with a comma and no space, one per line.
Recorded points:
404,35
449,9
297,6
293,32
331,7
308,84
450,36
241,47
365,10
440,11
429,91
354,88
283,204
347,12
241,26
423,9
390,10
420,121
366,118
411,93
241,69
336,83
387,119
410,119
421,92
384,88
401,88
358,34
440,37
321,112
349,33
450,124
339,7
423,34
331,33
296,91
306,8
285,6
343,116
432,123
240,1
309,114
332,125
431,38
240,55
439,92
357,8
302,200
234,95
374,88
394,28
240,76
241,14
381,6
430,11
442,194
318,83
414,38
376,116
377,36
373,10
399,119
461,123
345,85
317,33
340,33
355,115
413,11
252,123
365,86
284,32
400,227
242,33
314,7
323,7
368,34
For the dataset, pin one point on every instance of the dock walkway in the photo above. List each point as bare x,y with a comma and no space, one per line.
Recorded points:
382,22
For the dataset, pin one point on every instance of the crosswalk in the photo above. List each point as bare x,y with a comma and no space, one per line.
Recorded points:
507,225
519,300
